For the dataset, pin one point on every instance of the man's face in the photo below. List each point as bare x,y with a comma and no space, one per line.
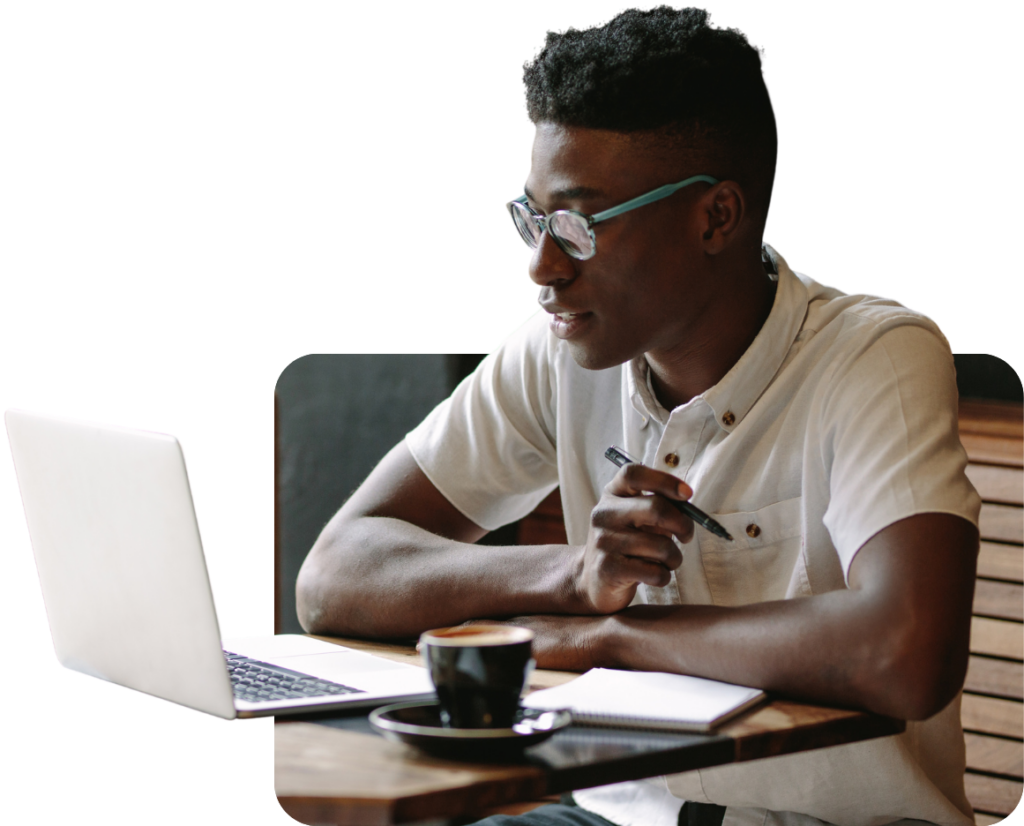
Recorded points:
646,286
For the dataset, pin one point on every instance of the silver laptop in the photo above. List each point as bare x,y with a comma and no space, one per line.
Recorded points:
127,595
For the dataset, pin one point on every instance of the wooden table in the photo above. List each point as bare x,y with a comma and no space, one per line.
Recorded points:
338,771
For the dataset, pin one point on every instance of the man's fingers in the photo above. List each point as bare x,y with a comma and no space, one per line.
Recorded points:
631,536
640,569
652,514
643,546
634,480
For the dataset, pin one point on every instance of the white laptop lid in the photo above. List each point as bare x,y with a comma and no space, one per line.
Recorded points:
120,560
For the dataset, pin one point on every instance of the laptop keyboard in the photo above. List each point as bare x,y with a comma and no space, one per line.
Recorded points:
257,682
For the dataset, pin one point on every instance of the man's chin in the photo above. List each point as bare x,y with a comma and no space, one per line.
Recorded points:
590,359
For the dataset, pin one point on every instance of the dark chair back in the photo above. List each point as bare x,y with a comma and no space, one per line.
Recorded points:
335,418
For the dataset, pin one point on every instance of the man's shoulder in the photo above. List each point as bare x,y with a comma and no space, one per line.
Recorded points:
848,343
858,315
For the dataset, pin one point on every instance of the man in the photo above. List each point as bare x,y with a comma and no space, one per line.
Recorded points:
818,428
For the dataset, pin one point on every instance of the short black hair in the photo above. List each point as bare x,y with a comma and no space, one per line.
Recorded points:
669,73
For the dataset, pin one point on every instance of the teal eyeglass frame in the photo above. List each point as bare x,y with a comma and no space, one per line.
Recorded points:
520,206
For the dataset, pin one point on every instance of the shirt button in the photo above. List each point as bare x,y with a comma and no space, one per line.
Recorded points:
753,531
672,460
728,418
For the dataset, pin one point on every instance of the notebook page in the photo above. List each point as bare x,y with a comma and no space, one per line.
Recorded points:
645,695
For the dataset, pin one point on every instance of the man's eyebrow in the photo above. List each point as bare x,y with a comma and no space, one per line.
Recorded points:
573,193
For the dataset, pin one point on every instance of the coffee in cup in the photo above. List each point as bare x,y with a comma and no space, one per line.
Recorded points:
479,672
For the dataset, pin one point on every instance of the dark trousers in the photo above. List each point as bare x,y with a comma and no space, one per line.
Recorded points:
557,814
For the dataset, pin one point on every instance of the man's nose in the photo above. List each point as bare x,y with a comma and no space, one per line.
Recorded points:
550,265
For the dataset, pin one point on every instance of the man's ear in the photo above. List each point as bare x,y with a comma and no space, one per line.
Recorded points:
723,209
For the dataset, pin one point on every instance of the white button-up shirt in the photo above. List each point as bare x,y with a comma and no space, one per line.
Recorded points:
839,420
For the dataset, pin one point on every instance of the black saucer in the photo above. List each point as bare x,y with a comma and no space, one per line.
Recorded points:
419,724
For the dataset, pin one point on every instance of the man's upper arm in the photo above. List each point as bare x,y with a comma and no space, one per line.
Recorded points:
889,437
917,578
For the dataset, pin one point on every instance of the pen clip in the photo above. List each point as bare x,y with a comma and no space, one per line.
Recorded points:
617,456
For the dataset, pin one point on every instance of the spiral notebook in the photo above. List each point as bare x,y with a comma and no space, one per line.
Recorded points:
647,699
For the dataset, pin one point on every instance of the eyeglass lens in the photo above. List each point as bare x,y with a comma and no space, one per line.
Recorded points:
568,230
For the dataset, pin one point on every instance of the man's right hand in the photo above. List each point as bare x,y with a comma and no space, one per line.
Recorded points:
630,539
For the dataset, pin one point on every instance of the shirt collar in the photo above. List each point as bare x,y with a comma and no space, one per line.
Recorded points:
733,396
641,392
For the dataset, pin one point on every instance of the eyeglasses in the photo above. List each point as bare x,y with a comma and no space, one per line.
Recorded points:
573,231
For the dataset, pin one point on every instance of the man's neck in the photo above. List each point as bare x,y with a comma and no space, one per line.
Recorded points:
726,332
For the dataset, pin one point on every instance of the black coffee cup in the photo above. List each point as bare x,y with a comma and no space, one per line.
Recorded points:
479,672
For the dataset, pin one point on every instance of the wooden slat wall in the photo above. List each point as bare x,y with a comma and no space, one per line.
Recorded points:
1001,484
996,561
991,432
993,702
997,638
994,755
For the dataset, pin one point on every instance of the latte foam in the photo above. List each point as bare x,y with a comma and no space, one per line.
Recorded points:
466,636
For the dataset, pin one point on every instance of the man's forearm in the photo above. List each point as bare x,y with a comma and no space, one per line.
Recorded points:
384,577
818,649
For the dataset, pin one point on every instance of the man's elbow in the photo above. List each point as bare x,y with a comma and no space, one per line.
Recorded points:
926,698
330,588
309,601
320,586
947,696
920,678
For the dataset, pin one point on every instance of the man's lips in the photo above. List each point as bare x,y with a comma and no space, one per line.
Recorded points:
565,323
557,309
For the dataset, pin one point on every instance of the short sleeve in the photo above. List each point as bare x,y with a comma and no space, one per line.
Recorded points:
891,443
490,447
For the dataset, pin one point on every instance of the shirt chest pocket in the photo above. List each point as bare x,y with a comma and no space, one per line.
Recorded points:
765,560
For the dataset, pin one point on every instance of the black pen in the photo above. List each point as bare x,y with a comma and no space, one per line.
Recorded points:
617,456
